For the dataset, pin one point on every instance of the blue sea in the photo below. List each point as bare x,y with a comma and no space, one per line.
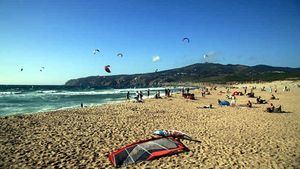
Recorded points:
25,99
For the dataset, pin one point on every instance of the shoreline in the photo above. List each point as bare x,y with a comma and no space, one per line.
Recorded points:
64,101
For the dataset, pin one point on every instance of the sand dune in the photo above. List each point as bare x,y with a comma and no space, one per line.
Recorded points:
231,137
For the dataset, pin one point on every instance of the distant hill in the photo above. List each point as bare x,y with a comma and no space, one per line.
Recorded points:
200,72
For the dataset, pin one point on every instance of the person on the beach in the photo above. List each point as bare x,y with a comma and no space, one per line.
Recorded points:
249,104
278,109
141,96
250,95
128,95
137,96
260,101
157,95
208,107
233,101
148,93
188,90
273,97
271,108
81,105
203,93
285,88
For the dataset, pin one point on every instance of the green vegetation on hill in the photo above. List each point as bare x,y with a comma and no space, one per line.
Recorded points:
199,73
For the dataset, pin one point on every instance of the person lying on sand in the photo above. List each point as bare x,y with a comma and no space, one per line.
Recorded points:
273,97
260,101
221,92
278,109
251,95
208,107
271,108
248,105
228,97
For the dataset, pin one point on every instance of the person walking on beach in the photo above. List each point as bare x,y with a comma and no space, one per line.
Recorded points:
128,96
137,96
141,96
148,93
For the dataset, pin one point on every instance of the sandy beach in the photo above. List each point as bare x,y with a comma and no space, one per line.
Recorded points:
231,137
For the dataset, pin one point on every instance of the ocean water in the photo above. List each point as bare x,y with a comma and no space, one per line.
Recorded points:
23,99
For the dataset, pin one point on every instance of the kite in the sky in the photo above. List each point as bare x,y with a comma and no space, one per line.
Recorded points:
107,68
120,55
155,58
96,51
186,39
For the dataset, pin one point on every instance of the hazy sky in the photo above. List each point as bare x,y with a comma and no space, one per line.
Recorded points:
61,36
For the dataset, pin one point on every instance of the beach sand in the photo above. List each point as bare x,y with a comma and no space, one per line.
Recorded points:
231,137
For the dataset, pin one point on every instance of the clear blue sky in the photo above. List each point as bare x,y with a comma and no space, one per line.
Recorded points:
61,35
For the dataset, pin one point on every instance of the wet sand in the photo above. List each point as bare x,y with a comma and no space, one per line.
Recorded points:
231,137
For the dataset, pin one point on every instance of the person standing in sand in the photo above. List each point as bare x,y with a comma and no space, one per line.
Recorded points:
233,101
128,96
141,96
137,96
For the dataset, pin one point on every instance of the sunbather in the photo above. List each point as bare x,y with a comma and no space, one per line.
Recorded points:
251,95
273,97
278,109
208,107
260,101
271,108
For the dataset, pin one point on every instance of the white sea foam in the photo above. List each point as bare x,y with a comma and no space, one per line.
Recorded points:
10,93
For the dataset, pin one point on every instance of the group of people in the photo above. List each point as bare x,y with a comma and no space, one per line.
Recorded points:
139,95
259,99
168,92
185,92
